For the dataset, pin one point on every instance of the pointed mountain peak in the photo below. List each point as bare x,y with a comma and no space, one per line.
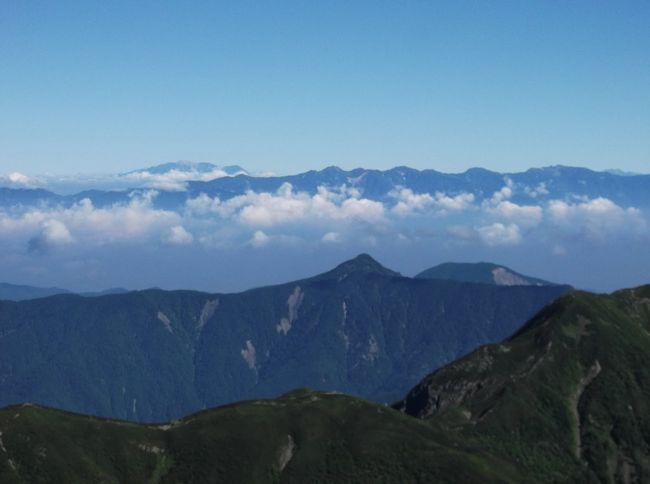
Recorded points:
362,263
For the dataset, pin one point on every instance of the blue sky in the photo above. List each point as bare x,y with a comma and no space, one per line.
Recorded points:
290,86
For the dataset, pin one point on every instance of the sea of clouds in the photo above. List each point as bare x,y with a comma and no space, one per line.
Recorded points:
335,219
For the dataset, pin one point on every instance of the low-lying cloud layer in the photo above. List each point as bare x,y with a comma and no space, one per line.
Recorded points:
174,179
19,180
268,237
50,227
329,216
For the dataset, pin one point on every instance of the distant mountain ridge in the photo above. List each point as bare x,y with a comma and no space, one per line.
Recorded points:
536,184
155,355
190,166
481,272
16,292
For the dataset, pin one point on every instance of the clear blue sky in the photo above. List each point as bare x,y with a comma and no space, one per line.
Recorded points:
288,86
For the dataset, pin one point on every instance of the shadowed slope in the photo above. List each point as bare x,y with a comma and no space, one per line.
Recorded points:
156,355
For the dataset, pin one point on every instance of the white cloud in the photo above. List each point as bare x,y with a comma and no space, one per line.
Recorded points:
500,206
459,202
56,232
178,235
461,232
331,237
505,193
19,180
597,219
203,204
329,216
135,220
83,222
53,233
499,234
410,202
559,250
539,191
286,206
524,215
172,179
260,239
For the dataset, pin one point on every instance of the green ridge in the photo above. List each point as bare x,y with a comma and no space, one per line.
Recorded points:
566,399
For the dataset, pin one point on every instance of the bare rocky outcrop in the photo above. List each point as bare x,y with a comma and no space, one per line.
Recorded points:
162,317
249,355
209,308
286,453
373,349
592,373
151,449
341,332
503,277
431,397
293,303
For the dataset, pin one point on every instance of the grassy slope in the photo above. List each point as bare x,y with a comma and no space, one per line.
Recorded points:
567,398
336,438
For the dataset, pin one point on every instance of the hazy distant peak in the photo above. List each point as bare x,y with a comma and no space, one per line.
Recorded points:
190,166
617,172
480,272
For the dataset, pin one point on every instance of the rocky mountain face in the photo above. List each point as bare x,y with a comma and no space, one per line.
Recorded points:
156,355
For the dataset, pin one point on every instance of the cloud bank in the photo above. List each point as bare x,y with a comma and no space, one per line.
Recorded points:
331,216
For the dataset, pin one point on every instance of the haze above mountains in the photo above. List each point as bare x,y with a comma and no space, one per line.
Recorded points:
265,229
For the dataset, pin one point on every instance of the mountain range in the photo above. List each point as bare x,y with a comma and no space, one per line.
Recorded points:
564,399
555,182
189,167
156,355
19,292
